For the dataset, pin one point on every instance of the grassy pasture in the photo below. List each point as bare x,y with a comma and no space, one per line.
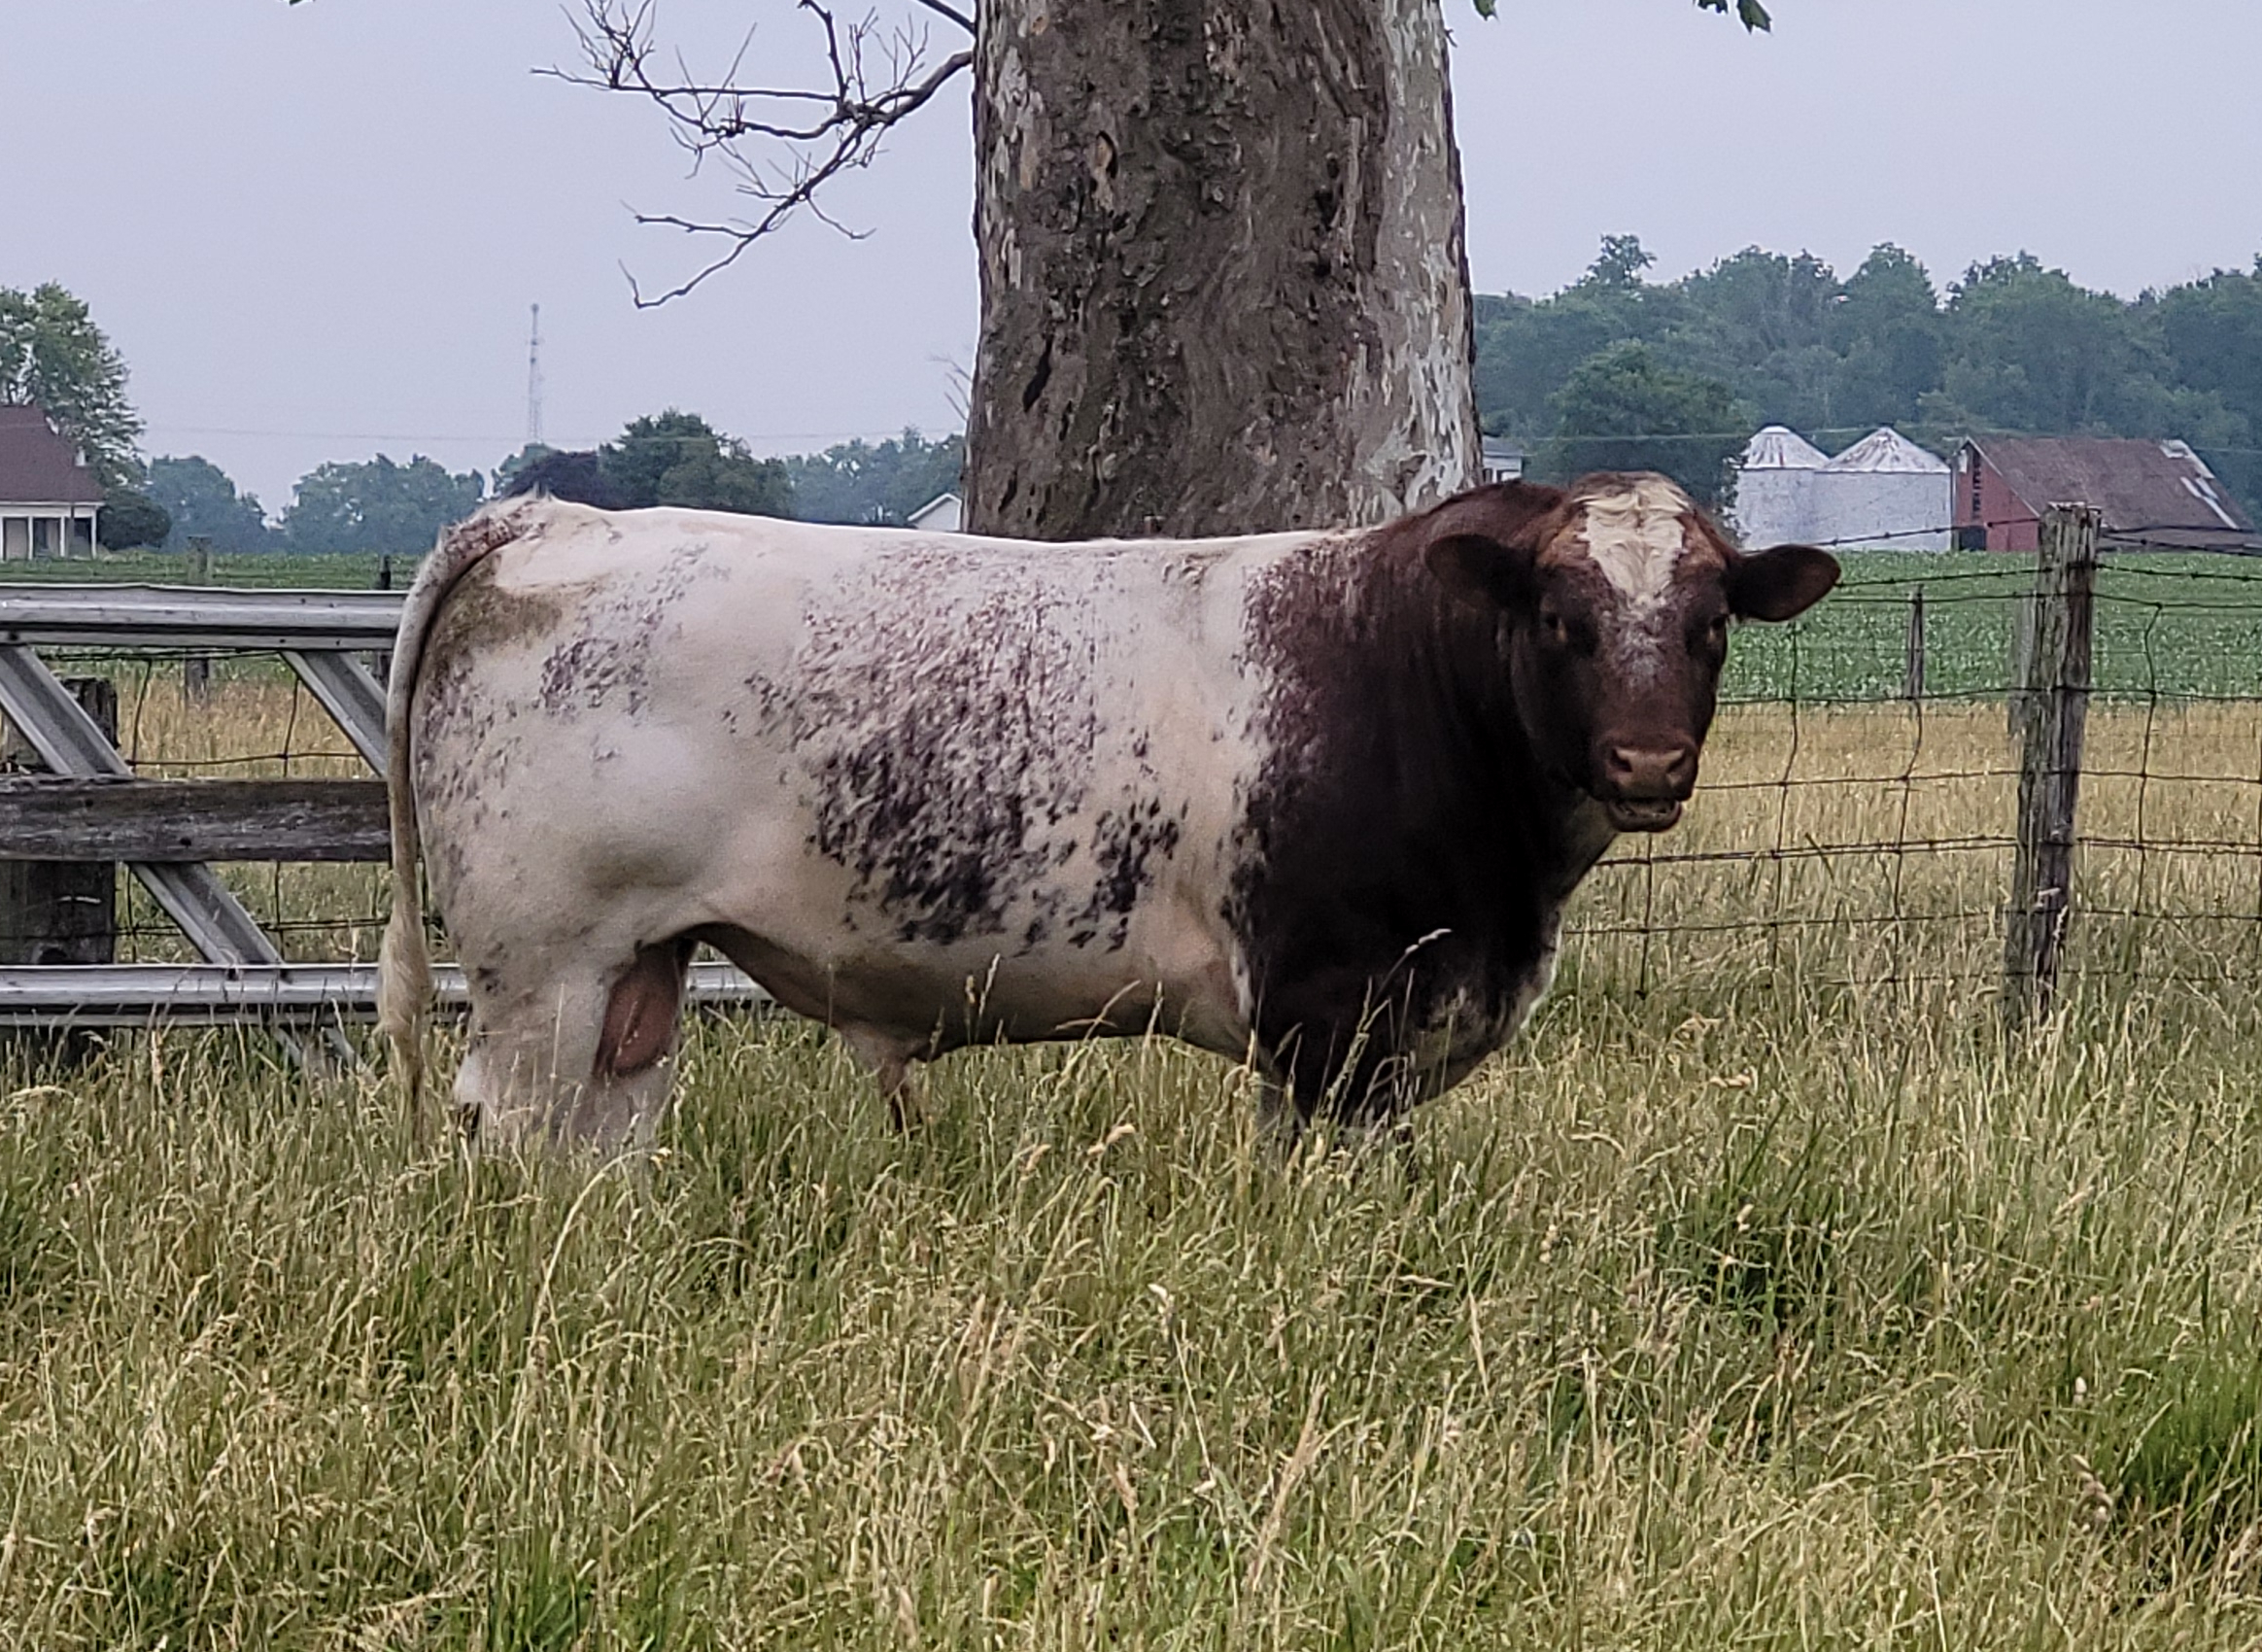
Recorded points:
349,571
2168,624
1758,1295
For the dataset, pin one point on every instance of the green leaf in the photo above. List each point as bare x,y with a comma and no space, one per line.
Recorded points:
1750,13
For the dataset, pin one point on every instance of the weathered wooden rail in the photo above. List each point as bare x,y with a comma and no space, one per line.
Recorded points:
110,817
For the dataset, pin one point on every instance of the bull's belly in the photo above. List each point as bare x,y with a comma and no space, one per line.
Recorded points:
828,944
853,973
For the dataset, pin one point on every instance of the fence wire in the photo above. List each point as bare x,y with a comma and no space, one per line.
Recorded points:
231,714
1856,820
1854,825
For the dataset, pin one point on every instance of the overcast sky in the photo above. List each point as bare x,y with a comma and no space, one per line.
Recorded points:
314,232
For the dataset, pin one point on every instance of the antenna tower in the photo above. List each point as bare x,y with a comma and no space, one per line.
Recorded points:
534,380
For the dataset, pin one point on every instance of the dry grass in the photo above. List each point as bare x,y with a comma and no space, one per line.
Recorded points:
1885,843
255,721
1761,1296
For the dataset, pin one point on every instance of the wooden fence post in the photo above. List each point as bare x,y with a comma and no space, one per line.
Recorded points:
381,662
2048,716
1912,679
60,911
196,670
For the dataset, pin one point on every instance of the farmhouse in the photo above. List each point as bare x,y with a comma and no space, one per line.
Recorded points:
2156,493
1500,460
943,514
48,496
1883,490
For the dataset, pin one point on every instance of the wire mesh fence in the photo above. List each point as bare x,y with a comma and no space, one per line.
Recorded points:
1857,820
243,715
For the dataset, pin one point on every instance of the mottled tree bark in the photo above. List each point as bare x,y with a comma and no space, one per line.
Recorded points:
1223,285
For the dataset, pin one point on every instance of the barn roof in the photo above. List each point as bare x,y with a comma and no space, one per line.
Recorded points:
2156,491
38,466
1781,448
1886,450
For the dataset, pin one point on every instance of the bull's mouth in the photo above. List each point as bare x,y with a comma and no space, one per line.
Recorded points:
1642,815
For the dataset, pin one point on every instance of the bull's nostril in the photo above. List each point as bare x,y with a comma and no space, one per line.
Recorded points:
1667,772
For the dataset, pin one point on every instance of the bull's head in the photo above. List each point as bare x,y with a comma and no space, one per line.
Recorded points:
1616,596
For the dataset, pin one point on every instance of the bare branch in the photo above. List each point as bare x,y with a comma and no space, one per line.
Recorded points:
784,142
951,12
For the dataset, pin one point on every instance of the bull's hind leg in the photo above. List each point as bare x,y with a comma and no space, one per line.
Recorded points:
580,1058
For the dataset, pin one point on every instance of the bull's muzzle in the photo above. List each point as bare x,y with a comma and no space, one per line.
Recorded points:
1644,786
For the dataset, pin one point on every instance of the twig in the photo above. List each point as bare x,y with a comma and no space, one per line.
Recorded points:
784,142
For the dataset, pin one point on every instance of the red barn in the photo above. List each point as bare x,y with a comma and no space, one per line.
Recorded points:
2159,493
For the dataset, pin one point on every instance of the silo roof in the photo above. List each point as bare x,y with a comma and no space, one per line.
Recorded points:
1781,448
1886,449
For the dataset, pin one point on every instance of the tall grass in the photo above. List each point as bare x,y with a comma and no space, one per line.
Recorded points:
1761,1295
1673,1329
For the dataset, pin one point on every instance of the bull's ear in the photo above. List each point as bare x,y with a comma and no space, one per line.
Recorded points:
1480,569
1482,545
1780,584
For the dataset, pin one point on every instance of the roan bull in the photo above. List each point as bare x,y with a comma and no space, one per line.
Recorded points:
1313,800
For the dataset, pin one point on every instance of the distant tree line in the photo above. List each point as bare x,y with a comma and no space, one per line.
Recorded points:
677,458
1618,371
664,459
52,352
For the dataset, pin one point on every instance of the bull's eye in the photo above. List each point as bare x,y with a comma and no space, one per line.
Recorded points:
1567,633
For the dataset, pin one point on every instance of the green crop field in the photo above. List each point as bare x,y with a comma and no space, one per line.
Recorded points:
344,573
1764,1294
2167,625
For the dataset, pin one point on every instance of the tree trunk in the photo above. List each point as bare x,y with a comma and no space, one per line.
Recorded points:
1223,285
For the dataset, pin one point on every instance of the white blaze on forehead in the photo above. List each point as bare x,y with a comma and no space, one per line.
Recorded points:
1636,536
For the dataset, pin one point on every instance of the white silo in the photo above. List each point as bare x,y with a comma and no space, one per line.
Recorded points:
1884,491
1772,488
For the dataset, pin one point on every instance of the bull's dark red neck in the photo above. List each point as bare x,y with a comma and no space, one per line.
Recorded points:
1400,810
1392,700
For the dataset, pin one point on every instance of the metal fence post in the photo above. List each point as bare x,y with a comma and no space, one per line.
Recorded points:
2049,715
381,662
1912,676
196,670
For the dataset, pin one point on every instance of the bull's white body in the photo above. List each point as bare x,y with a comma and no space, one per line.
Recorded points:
626,728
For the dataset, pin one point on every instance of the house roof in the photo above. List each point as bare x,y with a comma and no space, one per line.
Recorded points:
1781,448
2159,491
950,505
38,466
1886,450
